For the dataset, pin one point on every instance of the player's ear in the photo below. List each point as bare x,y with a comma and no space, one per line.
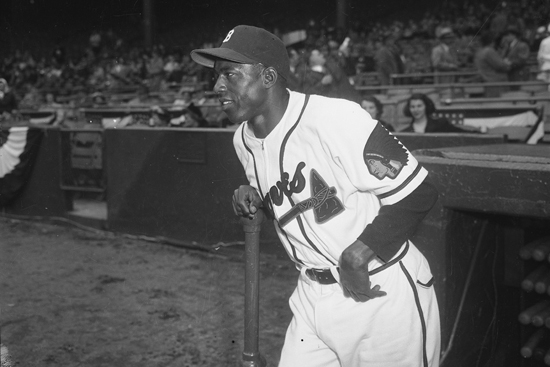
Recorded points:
270,76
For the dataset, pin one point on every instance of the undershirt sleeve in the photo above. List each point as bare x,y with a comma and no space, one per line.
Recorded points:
397,222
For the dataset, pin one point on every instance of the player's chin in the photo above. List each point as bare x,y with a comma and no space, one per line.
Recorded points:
234,118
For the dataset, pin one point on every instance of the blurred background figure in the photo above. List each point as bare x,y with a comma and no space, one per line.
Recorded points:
420,108
8,101
374,107
388,59
297,66
444,56
490,65
325,77
516,52
51,103
543,56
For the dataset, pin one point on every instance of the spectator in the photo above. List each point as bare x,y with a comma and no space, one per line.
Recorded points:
296,64
51,103
315,78
491,66
420,108
143,97
374,107
172,69
155,70
444,57
8,101
543,56
340,86
95,42
388,60
32,98
516,52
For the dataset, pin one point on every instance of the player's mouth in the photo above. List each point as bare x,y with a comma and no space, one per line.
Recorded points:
225,103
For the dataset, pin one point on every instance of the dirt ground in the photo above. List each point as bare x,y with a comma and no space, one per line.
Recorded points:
76,297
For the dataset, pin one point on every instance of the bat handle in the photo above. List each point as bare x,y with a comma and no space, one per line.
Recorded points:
251,353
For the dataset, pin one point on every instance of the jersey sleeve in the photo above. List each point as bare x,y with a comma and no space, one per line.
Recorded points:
373,159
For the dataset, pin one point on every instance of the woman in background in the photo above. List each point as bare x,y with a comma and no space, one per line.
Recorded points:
421,109
375,108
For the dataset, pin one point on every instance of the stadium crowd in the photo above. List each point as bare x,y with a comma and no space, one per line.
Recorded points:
109,70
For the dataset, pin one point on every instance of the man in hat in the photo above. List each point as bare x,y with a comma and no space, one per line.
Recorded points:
516,51
344,196
444,57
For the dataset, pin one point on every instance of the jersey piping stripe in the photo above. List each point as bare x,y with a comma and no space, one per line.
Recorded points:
390,263
294,254
403,185
420,313
287,136
281,169
254,159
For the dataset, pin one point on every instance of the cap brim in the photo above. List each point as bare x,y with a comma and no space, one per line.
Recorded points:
208,56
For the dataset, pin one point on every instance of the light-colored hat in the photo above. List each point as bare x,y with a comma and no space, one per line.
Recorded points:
445,32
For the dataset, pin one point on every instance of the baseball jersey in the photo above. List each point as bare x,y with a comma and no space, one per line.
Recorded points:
324,172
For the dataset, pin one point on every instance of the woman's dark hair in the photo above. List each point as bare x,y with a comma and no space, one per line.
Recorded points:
430,106
379,106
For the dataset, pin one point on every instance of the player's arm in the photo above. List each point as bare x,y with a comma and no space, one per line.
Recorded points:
382,238
396,223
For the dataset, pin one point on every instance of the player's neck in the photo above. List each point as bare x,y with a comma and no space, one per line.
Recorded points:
264,124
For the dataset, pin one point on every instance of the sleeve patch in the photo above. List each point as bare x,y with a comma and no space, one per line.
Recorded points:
384,155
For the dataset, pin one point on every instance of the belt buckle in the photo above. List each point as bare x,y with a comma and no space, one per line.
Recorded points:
321,276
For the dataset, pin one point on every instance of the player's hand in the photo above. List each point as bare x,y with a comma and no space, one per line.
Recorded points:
246,201
354,273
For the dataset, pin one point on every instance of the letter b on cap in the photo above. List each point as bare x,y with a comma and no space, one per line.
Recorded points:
228,37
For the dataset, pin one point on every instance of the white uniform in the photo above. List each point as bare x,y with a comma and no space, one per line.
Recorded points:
324,172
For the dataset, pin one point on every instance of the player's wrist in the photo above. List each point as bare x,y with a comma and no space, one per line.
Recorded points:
367,251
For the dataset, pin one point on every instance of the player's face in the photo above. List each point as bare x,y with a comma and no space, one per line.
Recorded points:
417,108
240,90
370,107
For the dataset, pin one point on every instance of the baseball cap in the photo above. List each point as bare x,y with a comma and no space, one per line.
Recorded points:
445,32
247,45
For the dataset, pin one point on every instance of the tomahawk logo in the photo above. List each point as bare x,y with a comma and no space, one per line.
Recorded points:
324,202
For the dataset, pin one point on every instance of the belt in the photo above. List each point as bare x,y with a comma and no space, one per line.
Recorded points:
321,276
324,276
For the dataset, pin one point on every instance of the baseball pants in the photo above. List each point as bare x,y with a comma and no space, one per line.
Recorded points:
399,329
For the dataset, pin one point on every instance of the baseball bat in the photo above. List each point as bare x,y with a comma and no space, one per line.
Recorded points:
543,283
528,284
251,353
541,318
547,358
533,341
526,251
526,317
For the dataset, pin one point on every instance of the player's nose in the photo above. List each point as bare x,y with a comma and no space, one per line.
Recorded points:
219,87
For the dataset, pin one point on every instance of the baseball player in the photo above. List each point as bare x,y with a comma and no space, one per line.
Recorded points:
345,196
